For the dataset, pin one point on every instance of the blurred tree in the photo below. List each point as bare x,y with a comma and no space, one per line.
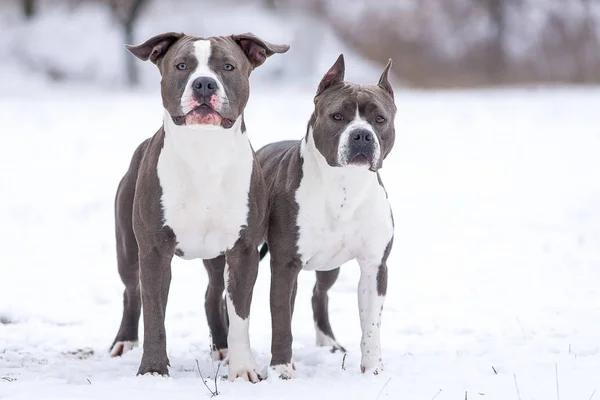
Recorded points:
127,13
28,7
434,43
271,4
496,53
587,45
306,18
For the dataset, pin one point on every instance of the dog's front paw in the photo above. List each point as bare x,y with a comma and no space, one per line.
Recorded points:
283,371
154,367
122,347
371,367
245,370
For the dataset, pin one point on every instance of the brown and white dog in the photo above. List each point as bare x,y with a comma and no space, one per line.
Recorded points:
329,206
194,190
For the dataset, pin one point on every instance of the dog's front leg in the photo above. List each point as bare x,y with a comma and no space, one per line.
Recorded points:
241,269
155,278
284,278
372,288
214,305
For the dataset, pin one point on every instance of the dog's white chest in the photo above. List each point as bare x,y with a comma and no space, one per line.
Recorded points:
205,186
340,216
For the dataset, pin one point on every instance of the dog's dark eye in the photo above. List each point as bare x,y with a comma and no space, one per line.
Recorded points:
228,67
337,116
181,66
380,119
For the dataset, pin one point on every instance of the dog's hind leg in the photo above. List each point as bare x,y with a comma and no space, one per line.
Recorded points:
127,258
216,308
320,305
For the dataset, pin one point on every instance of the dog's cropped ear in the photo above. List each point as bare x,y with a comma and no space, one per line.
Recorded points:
256,49
154,48
384,83
333,76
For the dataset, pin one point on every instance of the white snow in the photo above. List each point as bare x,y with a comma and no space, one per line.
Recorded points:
496,261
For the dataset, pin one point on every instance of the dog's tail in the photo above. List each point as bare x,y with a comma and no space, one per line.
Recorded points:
263,251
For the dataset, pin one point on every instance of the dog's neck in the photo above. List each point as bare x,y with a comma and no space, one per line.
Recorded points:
215,144
344,186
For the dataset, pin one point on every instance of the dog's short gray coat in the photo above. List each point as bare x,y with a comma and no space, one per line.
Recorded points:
195,190
328,206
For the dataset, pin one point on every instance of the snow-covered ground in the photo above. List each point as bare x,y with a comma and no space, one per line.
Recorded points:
494,277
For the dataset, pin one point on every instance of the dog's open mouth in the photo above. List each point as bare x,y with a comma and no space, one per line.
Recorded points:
204,114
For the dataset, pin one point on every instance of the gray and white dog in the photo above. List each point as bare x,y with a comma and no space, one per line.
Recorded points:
328,206
194,190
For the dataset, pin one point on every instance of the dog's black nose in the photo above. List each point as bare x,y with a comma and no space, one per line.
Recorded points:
204,86
362,136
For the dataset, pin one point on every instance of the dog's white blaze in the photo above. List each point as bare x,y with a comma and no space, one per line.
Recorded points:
370,306
343,212
241,362
202,51
357,123
205,172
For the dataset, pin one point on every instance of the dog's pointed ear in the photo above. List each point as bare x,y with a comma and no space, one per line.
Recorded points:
256,49
154,48
333,76
384,82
